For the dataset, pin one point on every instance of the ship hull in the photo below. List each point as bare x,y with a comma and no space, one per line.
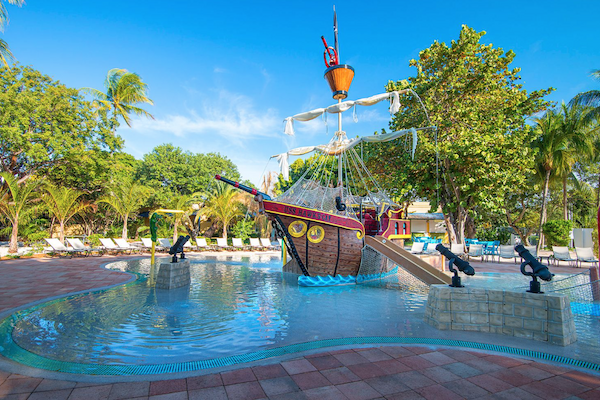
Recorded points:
324,243
338,253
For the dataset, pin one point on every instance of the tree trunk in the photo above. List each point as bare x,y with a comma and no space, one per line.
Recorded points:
450,229
175,237
225,231
13,247
565,209
124,233
543,212
61,231
470,228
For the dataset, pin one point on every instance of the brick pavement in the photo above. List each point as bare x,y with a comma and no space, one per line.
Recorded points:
390,372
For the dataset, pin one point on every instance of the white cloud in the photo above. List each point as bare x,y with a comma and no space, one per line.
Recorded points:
228,115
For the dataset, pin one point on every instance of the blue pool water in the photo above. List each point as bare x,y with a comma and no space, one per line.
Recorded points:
233,306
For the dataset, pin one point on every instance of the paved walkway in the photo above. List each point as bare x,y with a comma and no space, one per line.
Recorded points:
390,372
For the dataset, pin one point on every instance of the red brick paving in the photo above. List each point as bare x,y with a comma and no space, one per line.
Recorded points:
390,372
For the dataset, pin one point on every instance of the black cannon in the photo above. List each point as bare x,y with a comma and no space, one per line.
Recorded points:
453,259
178,248
538,269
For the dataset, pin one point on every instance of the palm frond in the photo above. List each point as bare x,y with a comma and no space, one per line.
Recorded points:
5,53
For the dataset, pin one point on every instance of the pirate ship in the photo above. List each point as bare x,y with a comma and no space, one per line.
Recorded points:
326,214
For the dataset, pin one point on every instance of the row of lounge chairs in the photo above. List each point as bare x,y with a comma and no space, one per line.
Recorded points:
119,246
203,244
559,253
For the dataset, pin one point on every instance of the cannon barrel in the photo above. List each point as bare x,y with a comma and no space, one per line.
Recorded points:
178,245
243,187
462,265
539,269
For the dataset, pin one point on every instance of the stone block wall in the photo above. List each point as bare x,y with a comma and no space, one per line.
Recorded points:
173,275
544,317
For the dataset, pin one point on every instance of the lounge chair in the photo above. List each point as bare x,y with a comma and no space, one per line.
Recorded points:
561,253
507,252
458,249
187,246
585,254
238,244
78,245
222,244
533,251
417,247
147,245
266,242
109,246
59,248
255,244
124,244
202,244
165,244
475,250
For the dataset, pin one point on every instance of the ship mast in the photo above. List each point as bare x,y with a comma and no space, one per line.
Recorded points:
339,76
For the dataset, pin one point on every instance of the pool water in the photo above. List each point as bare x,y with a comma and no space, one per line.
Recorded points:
233,306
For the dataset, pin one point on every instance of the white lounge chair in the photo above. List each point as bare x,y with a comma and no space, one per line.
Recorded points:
417,247
165,244
109,245
266,242
238,244
475,250
59,248
202,244
124,244
507,252
77,244
561,253
255,244
458,249
222,244
585,254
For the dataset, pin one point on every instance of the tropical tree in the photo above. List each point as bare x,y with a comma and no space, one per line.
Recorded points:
125,198
5,53
44,125
591,99
222,205
481,139
64,203
16,200
124,90
549,145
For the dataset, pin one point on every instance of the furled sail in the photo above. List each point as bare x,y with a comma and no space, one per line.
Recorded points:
393,97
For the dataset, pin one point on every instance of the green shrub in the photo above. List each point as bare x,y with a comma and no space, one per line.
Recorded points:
494,233
243,229
557,232
94,239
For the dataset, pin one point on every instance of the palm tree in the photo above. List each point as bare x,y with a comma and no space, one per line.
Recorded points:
549,143
124,90
184,203
5,53
222,205
579,134
590,99
16,200
64,203
126,198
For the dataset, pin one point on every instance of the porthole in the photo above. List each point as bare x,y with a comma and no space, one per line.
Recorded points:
316,233
297,228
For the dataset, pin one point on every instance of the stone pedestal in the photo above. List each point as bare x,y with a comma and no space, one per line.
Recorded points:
544,317
173,275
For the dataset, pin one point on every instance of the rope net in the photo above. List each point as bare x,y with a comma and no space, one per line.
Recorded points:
340,175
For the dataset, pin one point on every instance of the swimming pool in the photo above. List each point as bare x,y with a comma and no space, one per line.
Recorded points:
234,306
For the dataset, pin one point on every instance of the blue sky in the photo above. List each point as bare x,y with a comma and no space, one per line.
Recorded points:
224,75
